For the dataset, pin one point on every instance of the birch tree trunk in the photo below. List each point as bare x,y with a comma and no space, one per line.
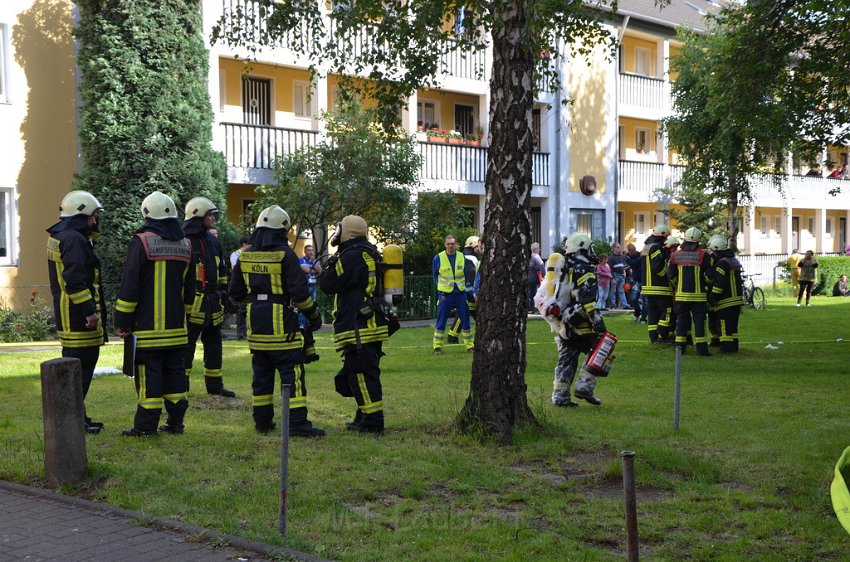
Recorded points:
497,400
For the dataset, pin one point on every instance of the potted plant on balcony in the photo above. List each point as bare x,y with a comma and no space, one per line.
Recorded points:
436,135
641,149
455,138
473,139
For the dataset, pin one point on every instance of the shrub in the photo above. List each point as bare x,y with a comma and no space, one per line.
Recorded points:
33,325
830,268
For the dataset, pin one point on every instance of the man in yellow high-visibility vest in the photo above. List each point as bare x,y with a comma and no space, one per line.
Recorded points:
448,269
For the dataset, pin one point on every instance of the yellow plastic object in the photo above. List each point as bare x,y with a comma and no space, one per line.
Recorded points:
393,274
554,266
838,491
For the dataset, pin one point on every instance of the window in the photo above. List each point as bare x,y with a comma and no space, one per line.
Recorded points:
777,226
588,221
763,226
828,227
642,140
4,35
643,61
427,113
301,99
7,226
535,129
256,101
464,119
463,21
811,226
640,224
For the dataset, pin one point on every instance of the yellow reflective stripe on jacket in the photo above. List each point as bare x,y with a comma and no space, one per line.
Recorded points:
370,267
125,306
447,278
80,296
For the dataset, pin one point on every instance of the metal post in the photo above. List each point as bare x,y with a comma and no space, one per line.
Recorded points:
284,458
631,504
678,388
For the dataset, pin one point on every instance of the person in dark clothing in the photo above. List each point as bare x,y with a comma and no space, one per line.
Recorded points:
689,271
617,263
206,314
269,277
157,285
634,268
808,275
360,326
840,289
656,285
79,309
725,298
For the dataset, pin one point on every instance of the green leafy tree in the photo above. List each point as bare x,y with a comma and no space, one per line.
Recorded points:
399,46
697,208
145,121
360,168
437,213
740,110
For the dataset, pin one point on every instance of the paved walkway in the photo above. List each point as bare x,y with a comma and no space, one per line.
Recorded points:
37,525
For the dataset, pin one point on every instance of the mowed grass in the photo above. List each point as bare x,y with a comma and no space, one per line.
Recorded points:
746,477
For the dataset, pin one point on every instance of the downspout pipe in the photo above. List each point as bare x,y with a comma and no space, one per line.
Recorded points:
620,35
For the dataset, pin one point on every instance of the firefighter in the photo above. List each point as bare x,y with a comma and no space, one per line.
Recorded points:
78,306
157,286
581,319
352,277
450,277
471,251
655,285
206,314
689,271
268,277
726,296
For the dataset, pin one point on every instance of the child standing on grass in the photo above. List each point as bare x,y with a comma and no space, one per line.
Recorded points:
603,281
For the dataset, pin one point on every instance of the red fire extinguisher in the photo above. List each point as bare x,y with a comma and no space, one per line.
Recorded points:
601,357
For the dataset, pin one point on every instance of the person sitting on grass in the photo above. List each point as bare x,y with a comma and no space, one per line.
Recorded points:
840,289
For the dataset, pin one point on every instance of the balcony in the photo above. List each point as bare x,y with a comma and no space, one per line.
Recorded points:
641,182
468,164
456,62
642,96
250,152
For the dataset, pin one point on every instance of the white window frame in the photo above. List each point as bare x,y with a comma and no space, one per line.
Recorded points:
642,136
763,226
828,227
777,226
810,223
4,63
11,226
302,96
421,105
644,55
640,220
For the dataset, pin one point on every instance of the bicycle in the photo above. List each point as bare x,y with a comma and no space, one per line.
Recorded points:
753,296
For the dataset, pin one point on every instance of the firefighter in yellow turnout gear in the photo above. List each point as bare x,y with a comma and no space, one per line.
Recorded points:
690,273
207,313
655,285
157,287
74,270
268,277
352,277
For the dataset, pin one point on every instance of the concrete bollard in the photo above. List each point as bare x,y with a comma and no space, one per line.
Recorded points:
65,458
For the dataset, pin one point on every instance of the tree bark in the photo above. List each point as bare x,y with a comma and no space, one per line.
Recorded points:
497,400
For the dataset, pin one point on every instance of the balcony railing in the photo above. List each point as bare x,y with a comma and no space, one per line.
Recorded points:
456,62
643,180
643,91
257,146
458,162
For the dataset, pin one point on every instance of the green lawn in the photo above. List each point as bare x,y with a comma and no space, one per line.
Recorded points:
746,476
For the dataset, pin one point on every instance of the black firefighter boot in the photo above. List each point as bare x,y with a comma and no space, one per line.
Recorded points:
215,386
702,349
300,426
176,413
372,423
354,425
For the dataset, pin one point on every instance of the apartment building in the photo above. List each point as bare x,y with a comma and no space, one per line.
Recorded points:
609,131
38,145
